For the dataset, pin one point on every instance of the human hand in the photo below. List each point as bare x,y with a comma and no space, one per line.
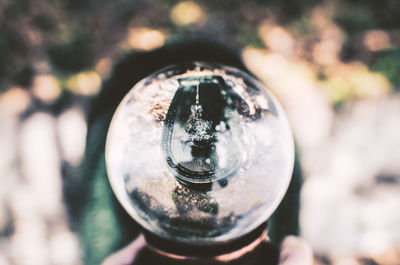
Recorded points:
294,251
127,255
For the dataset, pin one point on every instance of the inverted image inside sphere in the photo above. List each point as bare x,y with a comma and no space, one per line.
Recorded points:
199,153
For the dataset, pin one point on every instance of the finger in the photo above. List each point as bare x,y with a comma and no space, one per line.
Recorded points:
126,255
295,251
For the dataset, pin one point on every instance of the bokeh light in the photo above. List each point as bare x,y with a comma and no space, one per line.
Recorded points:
46,88
85,83
376,40
145,38
334,66
15,99
186,13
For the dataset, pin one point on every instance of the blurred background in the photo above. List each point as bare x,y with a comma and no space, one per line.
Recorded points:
334,65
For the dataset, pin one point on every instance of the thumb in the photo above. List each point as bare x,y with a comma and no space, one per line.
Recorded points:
295,251
126,255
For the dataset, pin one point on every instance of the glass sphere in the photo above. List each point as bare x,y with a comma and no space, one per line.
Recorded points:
199,153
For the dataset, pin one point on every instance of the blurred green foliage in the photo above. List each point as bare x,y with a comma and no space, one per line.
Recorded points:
354,18
358,15
73,35
388,63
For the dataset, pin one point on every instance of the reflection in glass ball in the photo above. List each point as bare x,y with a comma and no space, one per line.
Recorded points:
199,153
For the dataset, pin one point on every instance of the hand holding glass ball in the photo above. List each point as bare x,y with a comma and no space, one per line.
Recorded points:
199,154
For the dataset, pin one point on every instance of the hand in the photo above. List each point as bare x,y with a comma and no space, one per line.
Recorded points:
294,251
127,255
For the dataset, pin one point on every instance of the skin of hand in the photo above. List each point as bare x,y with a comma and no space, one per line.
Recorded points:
294,251
126,255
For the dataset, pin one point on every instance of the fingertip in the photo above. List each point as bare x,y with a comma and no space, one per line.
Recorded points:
295,250
126,255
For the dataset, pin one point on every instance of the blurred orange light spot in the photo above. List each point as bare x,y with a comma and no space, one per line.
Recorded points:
15,99
277,39
264,65
321,16
326,52
85,83
376,40
185,13
46,88
103,67
145,38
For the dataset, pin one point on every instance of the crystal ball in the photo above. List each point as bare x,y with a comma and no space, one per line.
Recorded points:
199,153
